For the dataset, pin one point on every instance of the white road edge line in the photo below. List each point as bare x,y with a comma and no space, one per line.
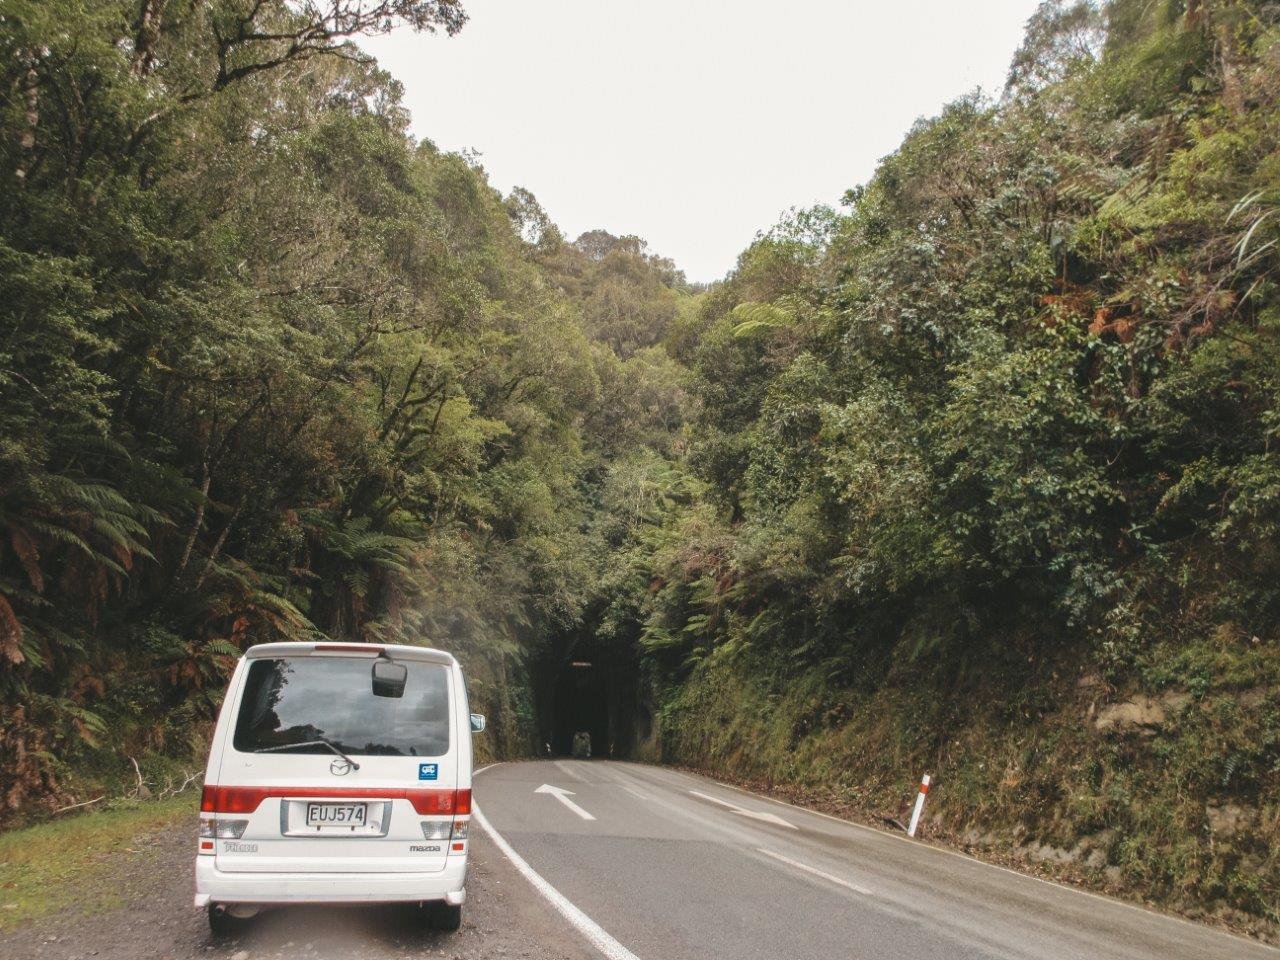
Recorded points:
596,934
815,871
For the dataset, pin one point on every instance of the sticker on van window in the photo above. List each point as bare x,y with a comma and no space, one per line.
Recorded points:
428,771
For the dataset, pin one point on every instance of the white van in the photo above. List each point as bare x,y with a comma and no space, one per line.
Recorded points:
339,773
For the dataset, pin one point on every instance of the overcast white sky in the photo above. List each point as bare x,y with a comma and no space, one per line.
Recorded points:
694,123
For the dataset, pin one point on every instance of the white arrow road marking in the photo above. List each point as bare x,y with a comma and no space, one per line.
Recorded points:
742,811
563,795
813,870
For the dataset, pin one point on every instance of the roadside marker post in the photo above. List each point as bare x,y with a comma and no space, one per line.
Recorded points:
915,814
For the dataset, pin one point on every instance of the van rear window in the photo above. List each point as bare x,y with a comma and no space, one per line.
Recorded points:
293,700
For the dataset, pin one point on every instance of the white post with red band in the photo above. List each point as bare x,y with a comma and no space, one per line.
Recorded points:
915,814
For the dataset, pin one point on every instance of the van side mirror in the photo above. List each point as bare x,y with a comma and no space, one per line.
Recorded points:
477,723
389,678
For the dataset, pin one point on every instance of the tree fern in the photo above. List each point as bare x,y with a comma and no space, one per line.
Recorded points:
754,318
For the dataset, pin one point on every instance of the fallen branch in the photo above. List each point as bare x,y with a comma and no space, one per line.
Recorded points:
170,791
141,791
86,803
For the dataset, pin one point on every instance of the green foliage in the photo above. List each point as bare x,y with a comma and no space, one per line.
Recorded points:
1010,416
1031,365
270,369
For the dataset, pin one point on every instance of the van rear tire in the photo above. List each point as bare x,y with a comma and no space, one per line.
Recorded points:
445,917
223,925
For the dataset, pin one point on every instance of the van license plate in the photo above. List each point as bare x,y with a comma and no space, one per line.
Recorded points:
336,814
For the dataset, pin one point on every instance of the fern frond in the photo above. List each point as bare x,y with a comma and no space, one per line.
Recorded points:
24,547
752,318
10,633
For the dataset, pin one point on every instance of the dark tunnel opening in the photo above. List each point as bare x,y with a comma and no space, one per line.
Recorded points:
594,689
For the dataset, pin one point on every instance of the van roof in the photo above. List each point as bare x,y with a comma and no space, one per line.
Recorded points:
398,651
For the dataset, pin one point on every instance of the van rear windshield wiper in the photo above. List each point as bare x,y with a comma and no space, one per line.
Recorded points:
321,742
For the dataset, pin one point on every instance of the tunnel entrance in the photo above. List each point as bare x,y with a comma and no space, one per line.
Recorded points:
592,688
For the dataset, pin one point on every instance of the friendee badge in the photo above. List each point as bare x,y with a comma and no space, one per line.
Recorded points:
428,771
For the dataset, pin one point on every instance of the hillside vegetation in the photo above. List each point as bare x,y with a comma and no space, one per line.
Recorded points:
984,476
976,474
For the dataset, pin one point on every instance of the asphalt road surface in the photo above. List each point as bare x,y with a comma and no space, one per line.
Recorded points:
656,864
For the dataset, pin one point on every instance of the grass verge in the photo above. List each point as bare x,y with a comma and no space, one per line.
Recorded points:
52,865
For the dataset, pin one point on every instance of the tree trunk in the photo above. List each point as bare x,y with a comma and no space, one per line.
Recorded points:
196,523
27,140
146,34
217,546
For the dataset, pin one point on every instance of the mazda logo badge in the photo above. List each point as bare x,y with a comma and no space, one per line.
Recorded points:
339,767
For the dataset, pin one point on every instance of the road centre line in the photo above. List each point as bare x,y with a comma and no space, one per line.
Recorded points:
714,824
813,870
743,811
745,839
595,934
561,765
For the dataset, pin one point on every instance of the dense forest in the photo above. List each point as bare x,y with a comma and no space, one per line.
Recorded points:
269,369
976,473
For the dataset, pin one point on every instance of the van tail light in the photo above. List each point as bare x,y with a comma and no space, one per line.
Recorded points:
454,802
435,829
215,799
426,802
221,828
445,829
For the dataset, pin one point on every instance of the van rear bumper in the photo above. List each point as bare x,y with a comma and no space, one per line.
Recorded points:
218,886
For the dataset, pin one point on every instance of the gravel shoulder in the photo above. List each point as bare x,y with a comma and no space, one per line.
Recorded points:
503,918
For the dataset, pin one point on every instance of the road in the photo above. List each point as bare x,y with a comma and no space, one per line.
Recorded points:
592,860
660,865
